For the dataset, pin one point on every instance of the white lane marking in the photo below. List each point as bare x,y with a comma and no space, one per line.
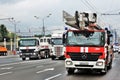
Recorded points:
8,64
6,68
39,66
14,63
53,77
5,73
18,63
49,69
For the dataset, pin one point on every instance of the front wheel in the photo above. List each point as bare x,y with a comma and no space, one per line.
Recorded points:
70,70
53,57
119,52
104,71
110,65
5,54
23,59
39,56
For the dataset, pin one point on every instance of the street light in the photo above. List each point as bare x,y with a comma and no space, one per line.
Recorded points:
7,18
14,22
43,21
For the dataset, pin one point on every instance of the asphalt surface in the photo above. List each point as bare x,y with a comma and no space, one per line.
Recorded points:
13,68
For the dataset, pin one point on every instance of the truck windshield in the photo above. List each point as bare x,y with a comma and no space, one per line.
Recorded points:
86,38
28,42
56,41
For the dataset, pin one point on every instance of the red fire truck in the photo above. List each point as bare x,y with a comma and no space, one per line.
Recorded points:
88,47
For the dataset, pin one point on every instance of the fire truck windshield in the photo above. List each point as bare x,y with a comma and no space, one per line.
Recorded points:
28,42
85,38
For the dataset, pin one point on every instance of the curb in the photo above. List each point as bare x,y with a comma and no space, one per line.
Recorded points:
9,56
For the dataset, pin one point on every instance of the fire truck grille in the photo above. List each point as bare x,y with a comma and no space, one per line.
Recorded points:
84,56
58,50
27,50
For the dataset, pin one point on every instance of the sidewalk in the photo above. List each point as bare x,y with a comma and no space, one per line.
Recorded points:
10,55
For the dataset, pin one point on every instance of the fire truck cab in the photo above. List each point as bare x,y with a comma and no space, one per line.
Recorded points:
87,48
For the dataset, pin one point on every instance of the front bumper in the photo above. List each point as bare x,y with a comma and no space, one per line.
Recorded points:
100,64
30,55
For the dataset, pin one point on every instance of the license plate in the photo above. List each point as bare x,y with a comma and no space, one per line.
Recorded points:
84,63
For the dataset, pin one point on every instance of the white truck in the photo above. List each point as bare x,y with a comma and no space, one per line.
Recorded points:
29,47
45,46
57,48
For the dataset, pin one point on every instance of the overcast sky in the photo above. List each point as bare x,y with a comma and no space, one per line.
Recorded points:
24,11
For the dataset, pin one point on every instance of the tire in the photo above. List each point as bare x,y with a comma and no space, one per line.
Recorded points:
23,59
110,65
45,56
47,53
53,58
104,71
70,70
4,54
39,56
42,55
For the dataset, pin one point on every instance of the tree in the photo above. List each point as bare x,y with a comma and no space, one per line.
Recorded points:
11,35
1,38
3,32
39,35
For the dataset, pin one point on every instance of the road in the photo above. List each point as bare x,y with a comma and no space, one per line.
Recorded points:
13,68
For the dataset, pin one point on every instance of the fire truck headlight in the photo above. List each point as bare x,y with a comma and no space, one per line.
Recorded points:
100,63
69,63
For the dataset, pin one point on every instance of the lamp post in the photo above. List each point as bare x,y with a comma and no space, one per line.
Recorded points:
5,42
7,18
14,22
11,42
43,22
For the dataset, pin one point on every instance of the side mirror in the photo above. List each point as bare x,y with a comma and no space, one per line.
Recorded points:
64,39
110,35
52,42
49,41
18,43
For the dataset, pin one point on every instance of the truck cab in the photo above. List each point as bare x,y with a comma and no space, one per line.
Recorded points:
29,47
89,46
87,50
57,47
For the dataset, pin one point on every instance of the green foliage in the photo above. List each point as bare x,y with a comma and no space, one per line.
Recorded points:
49,35
1,38
4,33
3,30
37,35
11,35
